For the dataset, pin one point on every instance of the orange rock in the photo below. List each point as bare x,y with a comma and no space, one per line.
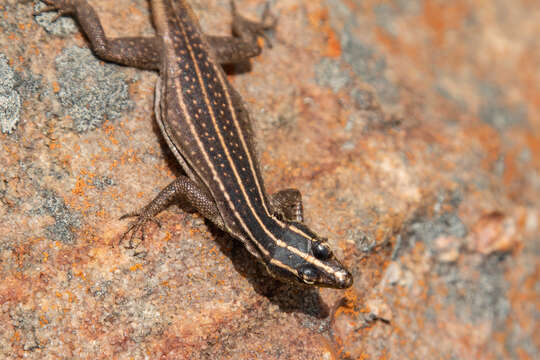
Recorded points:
494,232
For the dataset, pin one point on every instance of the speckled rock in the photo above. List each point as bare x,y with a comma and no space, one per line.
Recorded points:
412,129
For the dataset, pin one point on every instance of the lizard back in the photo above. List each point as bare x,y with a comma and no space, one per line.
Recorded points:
209,128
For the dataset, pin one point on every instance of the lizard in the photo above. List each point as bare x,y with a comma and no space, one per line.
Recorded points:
208,129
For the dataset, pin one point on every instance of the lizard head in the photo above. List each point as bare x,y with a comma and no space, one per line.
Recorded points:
305,258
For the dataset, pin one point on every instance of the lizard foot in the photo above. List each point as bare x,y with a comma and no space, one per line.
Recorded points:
267,22
64,7
137,226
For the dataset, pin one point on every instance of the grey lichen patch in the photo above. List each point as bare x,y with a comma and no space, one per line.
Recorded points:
427,230
501,117
102,182
65,219
370,66
365,61
10,101
100,289
388,13
456,99
145,318
27,323
90,91
61,27
364,100
385,15
478,297
30,84
328,72
365,241
495,111
477,292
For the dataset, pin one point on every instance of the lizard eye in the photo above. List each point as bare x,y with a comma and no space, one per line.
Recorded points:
308,274
322,251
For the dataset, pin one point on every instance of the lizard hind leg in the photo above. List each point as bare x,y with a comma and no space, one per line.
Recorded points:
244,42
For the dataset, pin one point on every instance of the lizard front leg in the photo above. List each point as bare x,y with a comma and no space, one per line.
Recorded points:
140,52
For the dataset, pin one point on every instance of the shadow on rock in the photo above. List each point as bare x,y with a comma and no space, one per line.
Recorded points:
289,297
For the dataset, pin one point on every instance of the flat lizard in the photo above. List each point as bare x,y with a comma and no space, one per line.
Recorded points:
207,128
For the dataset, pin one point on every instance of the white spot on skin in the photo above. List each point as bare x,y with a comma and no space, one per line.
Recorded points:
340,275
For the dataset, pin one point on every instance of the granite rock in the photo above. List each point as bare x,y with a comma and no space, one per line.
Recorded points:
412,129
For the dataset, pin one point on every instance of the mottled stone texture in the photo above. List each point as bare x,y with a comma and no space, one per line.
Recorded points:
411,127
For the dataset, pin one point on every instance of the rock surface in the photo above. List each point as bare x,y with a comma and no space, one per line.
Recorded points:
411,127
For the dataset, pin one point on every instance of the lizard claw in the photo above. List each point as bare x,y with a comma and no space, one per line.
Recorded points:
267,22
64,7
137,226
57,16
